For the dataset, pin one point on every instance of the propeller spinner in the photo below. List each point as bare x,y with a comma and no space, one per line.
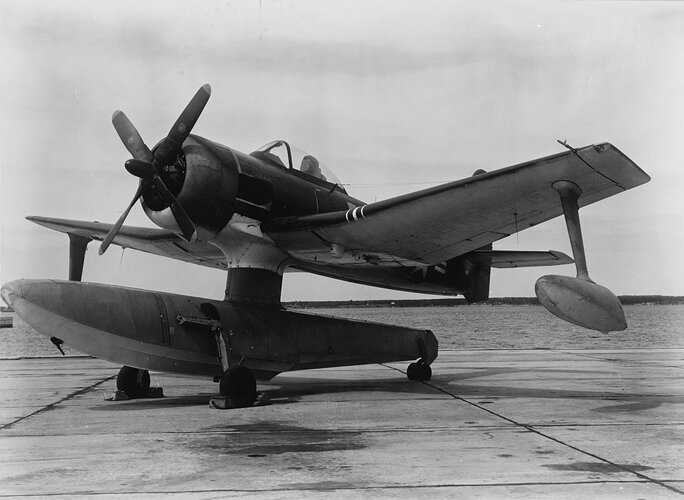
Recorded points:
148,165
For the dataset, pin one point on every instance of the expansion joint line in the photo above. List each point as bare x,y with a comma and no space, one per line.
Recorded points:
53,405
546,436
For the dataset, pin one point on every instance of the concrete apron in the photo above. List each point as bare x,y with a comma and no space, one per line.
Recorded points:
548,424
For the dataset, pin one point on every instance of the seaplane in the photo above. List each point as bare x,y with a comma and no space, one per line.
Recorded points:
279,209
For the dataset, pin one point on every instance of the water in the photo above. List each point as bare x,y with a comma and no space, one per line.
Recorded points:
528,326
459,327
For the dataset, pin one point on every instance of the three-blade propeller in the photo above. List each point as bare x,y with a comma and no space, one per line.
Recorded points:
147,165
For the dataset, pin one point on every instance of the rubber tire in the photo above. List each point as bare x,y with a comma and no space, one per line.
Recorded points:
419,371
412,371
239,384
127,382
425,373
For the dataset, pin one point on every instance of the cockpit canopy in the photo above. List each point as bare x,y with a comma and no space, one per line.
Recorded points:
281,153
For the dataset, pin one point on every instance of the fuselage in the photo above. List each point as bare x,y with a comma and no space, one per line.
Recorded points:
217,183
234,198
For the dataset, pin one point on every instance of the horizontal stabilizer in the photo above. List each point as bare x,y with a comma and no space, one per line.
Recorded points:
504,259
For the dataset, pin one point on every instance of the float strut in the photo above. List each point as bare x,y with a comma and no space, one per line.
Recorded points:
569,193
77,249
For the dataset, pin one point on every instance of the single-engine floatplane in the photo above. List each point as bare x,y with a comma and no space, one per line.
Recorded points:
277,209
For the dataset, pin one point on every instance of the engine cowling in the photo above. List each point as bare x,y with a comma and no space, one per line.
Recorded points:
204,180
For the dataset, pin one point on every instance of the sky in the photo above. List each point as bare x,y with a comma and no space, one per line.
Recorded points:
393,96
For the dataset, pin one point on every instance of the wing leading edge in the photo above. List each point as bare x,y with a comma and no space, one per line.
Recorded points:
155,241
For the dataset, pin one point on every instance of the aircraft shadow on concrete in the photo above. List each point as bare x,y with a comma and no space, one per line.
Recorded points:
282,390
291,390
630,401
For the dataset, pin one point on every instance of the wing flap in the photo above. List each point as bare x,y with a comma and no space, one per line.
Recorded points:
504,259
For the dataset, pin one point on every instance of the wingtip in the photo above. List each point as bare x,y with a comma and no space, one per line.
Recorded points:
36,219
207,88
562,257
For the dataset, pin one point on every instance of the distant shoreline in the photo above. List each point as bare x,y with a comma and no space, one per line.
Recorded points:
495,301
627,300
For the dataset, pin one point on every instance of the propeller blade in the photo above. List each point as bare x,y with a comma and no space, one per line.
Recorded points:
131,138
140,168
147,165
184,222
171,145
115,229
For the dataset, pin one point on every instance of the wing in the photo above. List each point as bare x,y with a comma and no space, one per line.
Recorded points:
439,223
154,241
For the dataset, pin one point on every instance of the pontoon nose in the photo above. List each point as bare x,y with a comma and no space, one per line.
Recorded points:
10,291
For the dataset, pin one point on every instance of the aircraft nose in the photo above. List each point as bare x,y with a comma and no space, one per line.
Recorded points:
10,291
